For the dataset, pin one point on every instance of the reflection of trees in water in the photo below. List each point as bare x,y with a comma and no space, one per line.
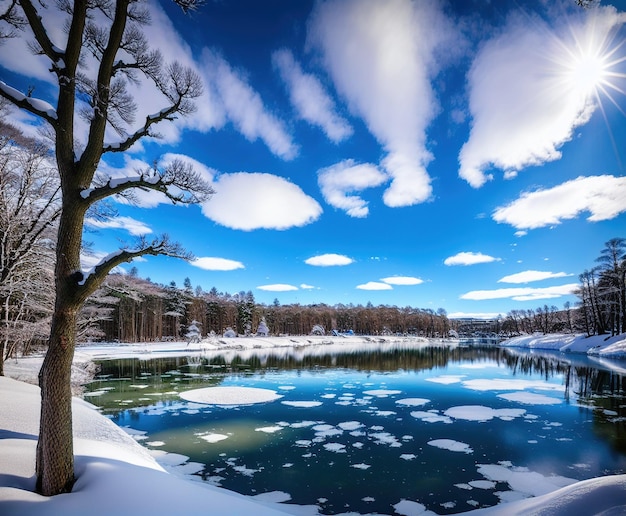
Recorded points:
601,391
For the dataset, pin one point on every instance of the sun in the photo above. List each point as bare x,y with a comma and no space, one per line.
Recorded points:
590,72
593,62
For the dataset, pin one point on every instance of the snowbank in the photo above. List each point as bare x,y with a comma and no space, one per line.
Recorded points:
603,346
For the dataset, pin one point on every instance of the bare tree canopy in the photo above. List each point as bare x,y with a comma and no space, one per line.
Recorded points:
104,53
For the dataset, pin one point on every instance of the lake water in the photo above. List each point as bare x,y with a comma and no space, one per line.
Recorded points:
379,431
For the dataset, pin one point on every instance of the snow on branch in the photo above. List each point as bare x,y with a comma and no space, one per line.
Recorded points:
35,106
158,246
178,181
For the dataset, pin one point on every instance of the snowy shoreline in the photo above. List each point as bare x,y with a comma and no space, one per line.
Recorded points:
109,461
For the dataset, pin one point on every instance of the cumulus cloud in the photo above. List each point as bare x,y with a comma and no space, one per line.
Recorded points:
133,226
524,99
529,276
338,181
211,263
604,197
522,293
250,201
381,57
309,99
278,287
244,107
375,285
402,280
469,258
329,260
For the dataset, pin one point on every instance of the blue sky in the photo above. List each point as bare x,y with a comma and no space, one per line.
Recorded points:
459,155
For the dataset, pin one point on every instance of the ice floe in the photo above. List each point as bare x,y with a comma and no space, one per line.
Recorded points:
230,395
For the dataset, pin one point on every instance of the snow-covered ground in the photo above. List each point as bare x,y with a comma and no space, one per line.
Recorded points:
603,346
116,475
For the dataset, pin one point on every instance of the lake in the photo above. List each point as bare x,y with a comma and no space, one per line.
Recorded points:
381,428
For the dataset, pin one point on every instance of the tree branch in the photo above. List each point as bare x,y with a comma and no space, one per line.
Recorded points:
37,107
159,246
179,182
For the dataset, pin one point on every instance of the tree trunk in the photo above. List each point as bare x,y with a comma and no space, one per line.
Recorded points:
55,448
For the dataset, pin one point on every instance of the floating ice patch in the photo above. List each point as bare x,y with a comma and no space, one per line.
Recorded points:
361,466
324,431
449,444
446,379
350,425
483,484
335,447
328,396
138,386
272,497
381,393
481,413
303,424
368,499
412,402
530,398
94,394
269,429
408,456
410,508
302,404
230,395
431,416
212,438
384,413
286,387
386,438
248,472
155,443
303,443
529,483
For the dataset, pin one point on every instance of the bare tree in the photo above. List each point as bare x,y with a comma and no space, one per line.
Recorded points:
29,209
108,33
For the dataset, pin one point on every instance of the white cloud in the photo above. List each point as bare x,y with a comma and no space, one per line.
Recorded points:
381,58
469,258
402,280
133,226
250,201
278,287
337,181
329,260
528,276
309,98
211,263
522,293
523,104
604,197
375,285
244,107
306,287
